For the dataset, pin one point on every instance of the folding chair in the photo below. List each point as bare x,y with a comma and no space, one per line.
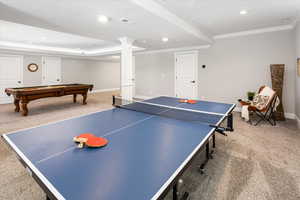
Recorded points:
265,113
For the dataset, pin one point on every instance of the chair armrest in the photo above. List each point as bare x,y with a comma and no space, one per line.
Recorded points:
252,108
244,103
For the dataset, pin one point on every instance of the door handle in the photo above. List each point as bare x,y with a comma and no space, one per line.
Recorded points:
193,81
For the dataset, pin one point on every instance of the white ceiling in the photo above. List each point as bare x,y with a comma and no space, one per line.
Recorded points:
222,17
19,33
80,17
184,22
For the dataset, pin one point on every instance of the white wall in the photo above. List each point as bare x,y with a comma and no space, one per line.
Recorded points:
76,71
297,81
241,64
233,67
105,75
155,74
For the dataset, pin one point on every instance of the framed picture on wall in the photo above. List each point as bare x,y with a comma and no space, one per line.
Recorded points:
298,66
32,67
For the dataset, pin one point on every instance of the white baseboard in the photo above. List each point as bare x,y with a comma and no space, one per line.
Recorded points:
290,115
105,90
142,97
298,121
6,102
287,115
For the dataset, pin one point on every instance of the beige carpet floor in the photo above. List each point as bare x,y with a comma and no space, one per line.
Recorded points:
260,162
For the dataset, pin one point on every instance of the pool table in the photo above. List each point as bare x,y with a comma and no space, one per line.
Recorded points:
26,94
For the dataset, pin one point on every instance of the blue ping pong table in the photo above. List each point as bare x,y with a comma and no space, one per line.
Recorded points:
144,159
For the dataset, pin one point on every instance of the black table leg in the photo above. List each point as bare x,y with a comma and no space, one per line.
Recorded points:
113,100
214,141
207,158
230,122
176,194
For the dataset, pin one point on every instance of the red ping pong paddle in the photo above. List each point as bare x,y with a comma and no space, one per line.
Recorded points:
90,140
191,101
96,142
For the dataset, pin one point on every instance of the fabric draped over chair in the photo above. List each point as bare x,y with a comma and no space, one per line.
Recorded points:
264,104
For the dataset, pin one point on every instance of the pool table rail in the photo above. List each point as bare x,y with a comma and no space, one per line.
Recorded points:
22,96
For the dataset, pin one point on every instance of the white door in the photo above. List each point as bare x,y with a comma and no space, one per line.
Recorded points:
11,75
186,75
51,71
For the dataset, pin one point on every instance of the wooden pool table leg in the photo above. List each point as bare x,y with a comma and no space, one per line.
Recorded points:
24,107
84,95
74,98
17,104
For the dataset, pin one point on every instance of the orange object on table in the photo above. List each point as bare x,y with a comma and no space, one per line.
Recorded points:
90,140
96,142
183,100
191,101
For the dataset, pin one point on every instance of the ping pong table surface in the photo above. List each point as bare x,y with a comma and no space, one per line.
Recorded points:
144,158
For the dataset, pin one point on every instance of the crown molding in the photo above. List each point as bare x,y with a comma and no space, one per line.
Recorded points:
165,14
21,47
109,51
36,48
256,31
28,53
173,49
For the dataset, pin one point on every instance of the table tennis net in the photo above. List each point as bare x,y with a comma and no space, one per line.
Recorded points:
174,112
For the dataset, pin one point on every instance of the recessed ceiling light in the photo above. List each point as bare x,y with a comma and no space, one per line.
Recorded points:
165,39
103,19
125,20
243,12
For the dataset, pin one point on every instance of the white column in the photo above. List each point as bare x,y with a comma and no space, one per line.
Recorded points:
127,85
